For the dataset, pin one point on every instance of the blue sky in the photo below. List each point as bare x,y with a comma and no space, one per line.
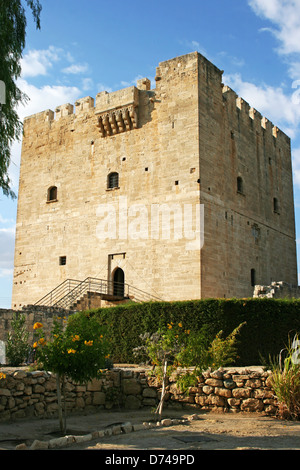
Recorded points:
87,47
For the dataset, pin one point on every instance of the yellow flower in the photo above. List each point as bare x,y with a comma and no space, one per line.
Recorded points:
169,326
107,356
2,375
89,343
101,336
35,345
37,325
180,325
187,331
71,351
41,341
75,338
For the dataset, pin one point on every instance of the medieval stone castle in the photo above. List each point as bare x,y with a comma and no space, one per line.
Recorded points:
182,191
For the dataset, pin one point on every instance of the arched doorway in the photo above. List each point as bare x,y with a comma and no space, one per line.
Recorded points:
118,282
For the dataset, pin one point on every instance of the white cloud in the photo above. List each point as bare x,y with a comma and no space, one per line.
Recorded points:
285,17
38,62
296,166
272,102
45,97
75,69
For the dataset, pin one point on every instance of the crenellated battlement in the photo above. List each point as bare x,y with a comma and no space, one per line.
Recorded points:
116,111
234,100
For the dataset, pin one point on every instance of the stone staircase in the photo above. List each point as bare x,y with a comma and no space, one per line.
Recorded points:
92,293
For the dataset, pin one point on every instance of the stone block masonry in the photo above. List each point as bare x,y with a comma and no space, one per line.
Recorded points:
25,394
33,314
92,174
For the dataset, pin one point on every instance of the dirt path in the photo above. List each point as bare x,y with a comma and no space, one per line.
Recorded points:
210,431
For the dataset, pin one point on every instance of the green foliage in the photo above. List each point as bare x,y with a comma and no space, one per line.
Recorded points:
200,354
285,381
12,43
77,348
17,346
268,324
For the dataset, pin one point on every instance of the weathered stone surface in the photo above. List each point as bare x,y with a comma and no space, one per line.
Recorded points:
19,401
39,445
99,398
214,382
131,387
241,392
252,404
153,134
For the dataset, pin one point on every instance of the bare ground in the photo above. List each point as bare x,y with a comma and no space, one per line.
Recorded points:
209,431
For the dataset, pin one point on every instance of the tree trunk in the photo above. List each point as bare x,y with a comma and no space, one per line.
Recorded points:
163,392
62,421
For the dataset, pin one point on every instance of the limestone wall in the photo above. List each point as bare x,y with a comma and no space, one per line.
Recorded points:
27,394
181,144
33,314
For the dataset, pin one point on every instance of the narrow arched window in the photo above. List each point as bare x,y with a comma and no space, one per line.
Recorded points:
240,185
113,180
52,194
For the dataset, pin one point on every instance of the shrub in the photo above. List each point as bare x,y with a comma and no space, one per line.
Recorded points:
17,346
285,381
268,324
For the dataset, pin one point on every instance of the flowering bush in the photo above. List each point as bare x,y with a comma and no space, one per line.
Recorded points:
77,349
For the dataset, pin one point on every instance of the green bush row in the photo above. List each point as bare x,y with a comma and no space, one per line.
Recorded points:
269,324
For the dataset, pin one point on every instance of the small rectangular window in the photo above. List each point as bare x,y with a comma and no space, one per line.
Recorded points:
62,260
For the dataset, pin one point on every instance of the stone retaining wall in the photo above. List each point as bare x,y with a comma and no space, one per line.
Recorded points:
33,314
27,394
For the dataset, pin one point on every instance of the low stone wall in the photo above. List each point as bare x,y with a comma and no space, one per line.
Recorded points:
32,314
27,394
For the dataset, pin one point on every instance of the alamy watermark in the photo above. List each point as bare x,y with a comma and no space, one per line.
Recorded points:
155,221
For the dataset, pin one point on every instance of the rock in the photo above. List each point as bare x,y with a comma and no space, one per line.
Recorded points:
22,446
126,427
131,387
99,398
166,422
132,402
83,438
229,383
39,445
149,392
241,392
214,382
58,442
252,404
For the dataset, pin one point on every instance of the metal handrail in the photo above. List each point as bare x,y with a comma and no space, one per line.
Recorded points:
66,294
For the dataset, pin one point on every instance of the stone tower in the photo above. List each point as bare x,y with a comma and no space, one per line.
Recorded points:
183,191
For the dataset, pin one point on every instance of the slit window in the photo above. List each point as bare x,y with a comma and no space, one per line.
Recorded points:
275,205
240,185
113,180
253,280
52,194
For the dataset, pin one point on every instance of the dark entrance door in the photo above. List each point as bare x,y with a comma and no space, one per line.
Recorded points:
119,282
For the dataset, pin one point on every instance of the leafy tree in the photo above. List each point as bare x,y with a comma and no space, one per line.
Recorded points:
76,348
12,42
